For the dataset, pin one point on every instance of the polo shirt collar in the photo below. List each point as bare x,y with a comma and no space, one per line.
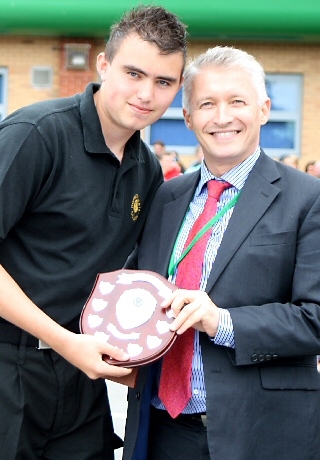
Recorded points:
93,138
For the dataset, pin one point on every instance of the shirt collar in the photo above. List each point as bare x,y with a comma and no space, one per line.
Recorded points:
92,132
236,176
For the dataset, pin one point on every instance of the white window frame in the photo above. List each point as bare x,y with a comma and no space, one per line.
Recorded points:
287,116
4,91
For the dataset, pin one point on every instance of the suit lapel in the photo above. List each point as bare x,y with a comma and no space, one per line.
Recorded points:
257,195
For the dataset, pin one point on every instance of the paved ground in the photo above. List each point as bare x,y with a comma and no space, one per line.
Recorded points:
118,403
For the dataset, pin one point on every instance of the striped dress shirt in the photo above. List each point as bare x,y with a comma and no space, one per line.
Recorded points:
237,177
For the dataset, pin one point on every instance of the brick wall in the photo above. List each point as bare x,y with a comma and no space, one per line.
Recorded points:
74,81
20,54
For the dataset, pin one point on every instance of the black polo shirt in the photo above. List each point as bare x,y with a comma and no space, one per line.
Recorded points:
68,208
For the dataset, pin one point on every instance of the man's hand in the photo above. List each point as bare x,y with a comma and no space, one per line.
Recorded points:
87,353
83,351
192,309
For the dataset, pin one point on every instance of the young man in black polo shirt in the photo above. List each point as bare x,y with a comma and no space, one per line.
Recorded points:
76,182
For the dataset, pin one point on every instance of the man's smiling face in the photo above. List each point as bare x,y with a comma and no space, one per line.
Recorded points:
226,116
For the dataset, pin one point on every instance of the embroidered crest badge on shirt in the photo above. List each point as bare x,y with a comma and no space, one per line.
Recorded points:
135,207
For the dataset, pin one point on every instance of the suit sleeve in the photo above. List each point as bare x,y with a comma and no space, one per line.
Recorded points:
278,330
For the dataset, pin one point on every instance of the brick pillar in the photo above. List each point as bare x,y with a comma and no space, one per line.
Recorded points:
75,80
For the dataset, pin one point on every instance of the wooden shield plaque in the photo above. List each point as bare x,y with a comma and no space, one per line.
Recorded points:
124,310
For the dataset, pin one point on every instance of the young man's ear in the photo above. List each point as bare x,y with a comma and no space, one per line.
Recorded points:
102,65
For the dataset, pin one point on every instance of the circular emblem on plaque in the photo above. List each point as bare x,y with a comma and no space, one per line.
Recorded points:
135,207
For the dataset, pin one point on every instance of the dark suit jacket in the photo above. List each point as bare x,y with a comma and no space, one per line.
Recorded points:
263,398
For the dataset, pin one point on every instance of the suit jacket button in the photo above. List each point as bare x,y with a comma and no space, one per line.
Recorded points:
274,356
254,358
138,395
268,357
261,358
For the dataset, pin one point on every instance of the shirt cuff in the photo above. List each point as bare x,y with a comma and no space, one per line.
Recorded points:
225,333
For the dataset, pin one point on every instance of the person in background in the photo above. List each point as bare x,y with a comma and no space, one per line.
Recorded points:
159,147
240,382
290,160
316,168
195,165
177,158
170,166
309,168
76,183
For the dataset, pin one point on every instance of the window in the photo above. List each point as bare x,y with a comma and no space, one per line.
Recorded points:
3,92
77,56
41,77
171,129
280,136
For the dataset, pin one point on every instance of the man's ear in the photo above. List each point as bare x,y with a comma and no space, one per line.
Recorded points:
102,65
187,119
265,111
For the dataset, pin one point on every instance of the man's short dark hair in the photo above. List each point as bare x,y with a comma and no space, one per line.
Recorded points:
153,24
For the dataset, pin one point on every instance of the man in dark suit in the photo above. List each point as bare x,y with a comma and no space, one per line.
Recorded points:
256,315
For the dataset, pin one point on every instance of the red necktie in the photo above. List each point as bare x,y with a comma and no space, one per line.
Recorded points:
175,380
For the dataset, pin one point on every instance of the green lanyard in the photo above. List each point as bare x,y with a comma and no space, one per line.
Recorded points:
173,265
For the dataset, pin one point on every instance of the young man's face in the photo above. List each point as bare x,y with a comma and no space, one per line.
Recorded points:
138,85
226,116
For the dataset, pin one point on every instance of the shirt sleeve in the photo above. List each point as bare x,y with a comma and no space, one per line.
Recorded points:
225,333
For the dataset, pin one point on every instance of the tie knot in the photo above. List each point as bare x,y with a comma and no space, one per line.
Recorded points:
216,187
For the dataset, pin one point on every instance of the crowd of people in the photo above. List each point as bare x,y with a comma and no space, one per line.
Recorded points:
81,194
312,167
